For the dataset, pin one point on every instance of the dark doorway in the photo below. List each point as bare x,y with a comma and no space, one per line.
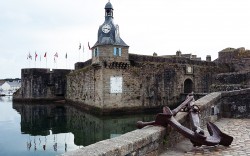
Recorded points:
188,86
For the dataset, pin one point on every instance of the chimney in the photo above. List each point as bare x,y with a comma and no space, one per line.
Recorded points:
178,53
208,58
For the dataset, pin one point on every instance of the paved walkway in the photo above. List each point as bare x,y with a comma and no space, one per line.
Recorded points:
238,128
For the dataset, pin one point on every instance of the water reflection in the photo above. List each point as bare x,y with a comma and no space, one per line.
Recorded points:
54,128
89,129
58,118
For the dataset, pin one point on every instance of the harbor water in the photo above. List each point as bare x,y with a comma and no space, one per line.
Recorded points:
55,128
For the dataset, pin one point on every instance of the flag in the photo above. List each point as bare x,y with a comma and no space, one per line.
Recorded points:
80,46
89,46
29,56
45,54
54,60
56,55
66,56
35,56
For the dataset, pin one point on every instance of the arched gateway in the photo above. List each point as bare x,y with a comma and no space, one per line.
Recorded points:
188,86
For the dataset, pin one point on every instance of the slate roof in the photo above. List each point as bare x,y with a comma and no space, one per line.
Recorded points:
108,6
14,84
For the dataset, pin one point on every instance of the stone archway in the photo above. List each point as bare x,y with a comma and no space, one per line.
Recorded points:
188,86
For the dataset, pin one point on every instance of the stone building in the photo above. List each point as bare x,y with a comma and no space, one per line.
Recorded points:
115,81
239,76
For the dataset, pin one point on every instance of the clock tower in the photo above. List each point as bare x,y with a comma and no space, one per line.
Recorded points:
110,49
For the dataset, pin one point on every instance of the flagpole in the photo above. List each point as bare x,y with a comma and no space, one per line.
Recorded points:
79,52
54,62
83,52
35,62
35,59
30,58
45,55
55,66
90,50
66,57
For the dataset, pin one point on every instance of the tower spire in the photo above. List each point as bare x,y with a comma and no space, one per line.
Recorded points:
109,10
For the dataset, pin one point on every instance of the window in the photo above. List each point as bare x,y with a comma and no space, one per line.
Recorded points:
96,52
117,51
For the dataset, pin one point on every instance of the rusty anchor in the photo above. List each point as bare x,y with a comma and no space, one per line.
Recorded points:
196,135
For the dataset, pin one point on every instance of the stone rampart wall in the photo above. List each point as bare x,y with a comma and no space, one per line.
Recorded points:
233,78
180,60
238,59
231,81
145,86
236,104
241,64
41,84
139,142
226,55
81,87
79,65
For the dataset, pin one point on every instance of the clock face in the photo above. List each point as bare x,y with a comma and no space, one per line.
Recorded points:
106,28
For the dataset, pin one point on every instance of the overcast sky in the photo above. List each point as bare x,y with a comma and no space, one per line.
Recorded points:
200,27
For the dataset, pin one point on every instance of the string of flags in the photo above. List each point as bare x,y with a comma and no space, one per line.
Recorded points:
29,56
56,56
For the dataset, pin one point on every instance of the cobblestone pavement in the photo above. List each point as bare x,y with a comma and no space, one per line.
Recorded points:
238,128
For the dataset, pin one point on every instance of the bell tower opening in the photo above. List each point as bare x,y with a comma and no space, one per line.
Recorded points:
108,10
188,86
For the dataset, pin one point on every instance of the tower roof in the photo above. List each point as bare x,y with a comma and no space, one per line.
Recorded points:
108,6
108,33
